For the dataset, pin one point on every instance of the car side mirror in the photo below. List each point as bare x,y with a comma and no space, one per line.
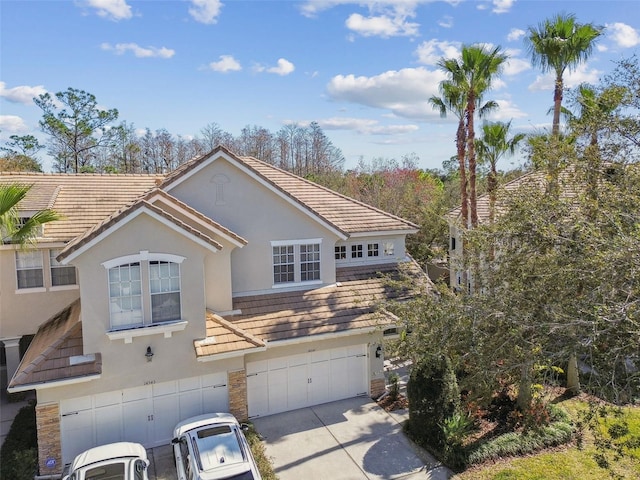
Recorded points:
175,441
245,427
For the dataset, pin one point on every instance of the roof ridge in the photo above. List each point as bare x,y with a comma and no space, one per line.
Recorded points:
238,331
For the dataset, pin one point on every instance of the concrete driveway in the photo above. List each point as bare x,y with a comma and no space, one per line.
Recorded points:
350,439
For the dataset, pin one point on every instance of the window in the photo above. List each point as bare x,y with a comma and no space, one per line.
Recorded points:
356,251
372,250
296,262
283,264
125,295
60,274
453,243
164,280
341,252
389,249
309,262
29,269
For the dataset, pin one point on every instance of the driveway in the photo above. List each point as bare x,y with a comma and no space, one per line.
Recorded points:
350,439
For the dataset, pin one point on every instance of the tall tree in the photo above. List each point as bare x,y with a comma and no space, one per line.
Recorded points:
76,126
13,229
559,44
452,100
473,75
494,144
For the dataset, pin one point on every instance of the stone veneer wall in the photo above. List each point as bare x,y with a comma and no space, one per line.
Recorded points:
238,395
49,443
378,387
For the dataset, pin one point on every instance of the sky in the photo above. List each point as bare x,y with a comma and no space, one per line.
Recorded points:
363,70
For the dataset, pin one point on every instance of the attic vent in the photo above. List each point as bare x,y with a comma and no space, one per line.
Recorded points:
78,359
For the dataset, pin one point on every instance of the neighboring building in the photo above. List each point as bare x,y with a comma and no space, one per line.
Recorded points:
226,285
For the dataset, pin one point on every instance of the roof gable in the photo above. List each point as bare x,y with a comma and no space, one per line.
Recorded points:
343,215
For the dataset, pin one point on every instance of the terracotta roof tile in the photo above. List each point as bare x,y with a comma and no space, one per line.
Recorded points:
82,199
343,213
351,304
48,357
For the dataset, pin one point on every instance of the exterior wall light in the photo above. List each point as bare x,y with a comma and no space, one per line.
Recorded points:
378,351
149,354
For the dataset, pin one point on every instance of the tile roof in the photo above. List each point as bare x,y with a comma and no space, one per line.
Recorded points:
125,211
343,213
350,304
48,358
83,200
537,179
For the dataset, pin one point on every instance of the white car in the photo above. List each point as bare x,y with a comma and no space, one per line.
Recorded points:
115,461
213,447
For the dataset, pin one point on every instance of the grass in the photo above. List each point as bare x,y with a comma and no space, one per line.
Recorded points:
566,462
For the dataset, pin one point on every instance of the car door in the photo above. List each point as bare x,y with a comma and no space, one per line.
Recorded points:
182,456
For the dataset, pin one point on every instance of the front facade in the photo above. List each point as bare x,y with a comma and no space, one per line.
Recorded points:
227,285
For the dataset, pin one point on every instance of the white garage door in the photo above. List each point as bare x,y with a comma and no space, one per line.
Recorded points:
306,379
145,414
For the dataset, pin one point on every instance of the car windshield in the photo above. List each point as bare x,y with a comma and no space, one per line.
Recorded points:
106,471
218,447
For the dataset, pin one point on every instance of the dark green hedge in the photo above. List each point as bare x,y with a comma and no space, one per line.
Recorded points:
19,453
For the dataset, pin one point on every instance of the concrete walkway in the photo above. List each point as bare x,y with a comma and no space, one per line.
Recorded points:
350,439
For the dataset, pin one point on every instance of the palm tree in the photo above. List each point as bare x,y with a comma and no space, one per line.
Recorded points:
492,146
558,44
12,230
473,75
453,100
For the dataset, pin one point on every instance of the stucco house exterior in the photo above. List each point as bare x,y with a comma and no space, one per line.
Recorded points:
225,285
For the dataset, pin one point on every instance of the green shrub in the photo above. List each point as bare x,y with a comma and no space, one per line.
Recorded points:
394,387
512,443
259,454
18,456
434,396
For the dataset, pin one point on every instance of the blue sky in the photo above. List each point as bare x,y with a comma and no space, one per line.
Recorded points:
362,69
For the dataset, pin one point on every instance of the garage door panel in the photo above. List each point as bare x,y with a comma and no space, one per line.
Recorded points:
307,379
108,424
78,431
136,417
166,414
215,399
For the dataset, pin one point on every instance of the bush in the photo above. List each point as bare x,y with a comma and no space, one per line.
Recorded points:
512,443
434,396
19,453
394,386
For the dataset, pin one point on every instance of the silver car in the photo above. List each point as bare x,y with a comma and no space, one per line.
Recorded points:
213,447
114,461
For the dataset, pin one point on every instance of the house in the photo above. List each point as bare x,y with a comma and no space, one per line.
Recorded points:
225,285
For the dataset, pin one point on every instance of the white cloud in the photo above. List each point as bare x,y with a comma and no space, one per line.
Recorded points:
284,67
431,51
405,92
446,21
506,111
515,65
515,34
365,126
601,48
205,11
21,94
12,124
382,26
623,35
502,6
226,64
138,51
112,9
582,74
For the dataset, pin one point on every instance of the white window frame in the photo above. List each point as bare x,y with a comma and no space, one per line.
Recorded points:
55,266
27,260
145,259
364,251
135,314
165,284
373,250
296,246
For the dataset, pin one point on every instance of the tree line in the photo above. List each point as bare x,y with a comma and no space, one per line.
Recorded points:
83,138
